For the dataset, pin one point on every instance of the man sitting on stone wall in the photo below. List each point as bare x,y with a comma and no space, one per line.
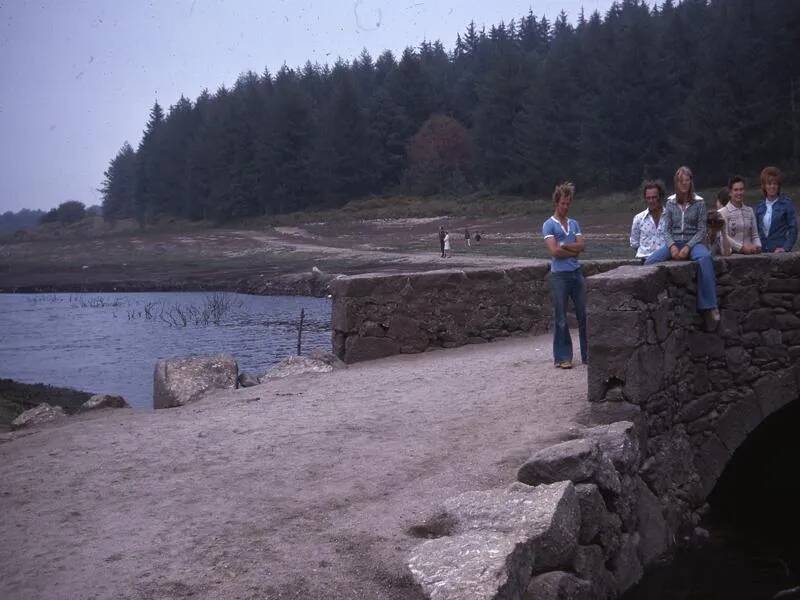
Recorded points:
647,229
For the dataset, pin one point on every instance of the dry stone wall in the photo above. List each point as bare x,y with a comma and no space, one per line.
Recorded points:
381,315
579,524
699,394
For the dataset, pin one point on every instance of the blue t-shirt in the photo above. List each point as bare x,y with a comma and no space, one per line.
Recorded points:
552,228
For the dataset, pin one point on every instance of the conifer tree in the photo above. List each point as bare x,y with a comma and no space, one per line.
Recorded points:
150,182
118,188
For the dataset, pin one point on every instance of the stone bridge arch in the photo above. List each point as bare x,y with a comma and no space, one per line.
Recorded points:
697,395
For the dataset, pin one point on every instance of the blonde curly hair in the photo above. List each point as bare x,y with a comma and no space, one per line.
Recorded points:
566,188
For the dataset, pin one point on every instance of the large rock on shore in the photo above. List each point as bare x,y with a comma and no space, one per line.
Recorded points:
496,540
44,413
178,381
295,365
104,401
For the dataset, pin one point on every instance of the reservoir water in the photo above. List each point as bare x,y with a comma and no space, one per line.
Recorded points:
109,343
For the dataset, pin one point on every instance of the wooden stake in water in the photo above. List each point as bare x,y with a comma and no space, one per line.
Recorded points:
300,329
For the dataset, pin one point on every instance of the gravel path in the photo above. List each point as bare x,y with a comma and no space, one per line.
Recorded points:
298,488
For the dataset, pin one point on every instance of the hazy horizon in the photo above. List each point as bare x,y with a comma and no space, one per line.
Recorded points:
80,79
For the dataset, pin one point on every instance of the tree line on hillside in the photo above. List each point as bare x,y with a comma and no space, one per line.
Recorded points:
604,102
67,212
23,219
70,211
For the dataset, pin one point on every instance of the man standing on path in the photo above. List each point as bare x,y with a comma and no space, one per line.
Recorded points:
647,230
564,243
441,239
740,220
775,215
685,228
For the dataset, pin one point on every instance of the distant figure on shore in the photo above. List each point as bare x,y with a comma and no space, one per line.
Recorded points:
564,241
647,229
716,239
775,214
740,220
467,241
442,234
446,251
478,237
685,228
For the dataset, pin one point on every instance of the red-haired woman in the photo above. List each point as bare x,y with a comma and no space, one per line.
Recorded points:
775,215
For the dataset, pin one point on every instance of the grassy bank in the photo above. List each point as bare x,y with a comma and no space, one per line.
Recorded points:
480,205
273,254
16,398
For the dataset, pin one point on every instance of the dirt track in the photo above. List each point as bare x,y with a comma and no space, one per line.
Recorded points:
269,260
300,488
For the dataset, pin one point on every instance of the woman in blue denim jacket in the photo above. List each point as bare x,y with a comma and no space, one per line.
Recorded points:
775,215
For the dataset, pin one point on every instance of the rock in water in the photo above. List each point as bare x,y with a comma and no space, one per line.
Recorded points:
247,380
295,365
558,585
178,381
104,401
44,413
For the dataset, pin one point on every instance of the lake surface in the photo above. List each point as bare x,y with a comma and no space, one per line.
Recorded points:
109,343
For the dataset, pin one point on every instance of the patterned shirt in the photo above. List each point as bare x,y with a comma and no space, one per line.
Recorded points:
741,226
646,236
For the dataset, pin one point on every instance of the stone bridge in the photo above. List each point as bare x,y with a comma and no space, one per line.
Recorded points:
587,515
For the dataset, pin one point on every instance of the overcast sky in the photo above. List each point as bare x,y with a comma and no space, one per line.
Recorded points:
78,77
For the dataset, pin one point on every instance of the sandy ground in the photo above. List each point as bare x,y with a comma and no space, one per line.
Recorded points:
298,488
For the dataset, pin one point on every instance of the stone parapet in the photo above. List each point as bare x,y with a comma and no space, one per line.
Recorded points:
381,315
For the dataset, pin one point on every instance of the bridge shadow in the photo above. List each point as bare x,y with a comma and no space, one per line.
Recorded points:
754,525
755,502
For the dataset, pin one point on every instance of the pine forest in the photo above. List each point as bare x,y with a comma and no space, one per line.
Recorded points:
602,100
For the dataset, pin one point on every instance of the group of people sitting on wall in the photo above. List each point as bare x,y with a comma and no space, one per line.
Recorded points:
680,229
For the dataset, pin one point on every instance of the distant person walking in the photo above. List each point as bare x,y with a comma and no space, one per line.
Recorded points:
467,240
685,215
647,229
564,241
776,217
442,234
446,251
